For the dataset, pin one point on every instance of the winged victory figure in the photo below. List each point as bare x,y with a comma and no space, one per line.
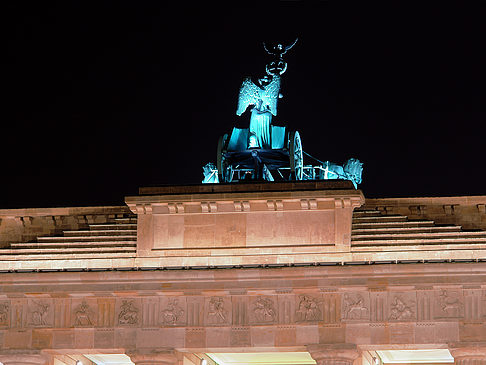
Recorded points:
263,97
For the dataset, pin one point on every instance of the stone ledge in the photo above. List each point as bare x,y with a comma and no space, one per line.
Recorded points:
247,187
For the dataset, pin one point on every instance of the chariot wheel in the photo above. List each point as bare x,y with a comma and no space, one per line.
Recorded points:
296,155
221,160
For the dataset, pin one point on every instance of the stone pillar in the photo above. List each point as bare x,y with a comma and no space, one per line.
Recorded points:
152,357
468,353
17,357
334,354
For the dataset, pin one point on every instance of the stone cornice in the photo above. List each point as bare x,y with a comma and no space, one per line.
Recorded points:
318,277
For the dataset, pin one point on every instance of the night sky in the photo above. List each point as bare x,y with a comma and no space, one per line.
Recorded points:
101,98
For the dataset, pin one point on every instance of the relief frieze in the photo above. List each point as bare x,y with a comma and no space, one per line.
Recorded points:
83,315
173,312
308,309
263,310
4,313
402,307
449,304
218,310
40,313
244,310
128,313
355,306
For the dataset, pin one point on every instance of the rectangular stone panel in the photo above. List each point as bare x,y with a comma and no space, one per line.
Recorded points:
355,306
40,312
84,312
263,309
106,312
150,312
168,231
128,312
263,336
449,303
173,311
195,337
218,311
290,228
402,306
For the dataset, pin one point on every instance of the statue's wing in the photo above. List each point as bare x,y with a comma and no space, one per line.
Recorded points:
249,95
270,94
289,47
266,49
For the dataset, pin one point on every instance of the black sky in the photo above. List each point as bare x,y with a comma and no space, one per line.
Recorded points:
102,98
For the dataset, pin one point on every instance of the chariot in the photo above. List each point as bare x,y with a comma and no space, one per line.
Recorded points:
281,160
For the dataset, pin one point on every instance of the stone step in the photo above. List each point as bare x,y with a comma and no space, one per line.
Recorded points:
415,241
113,226
126,220
65,256
55,251
74,244
380,218
406,229
364,213
99,232
414,235
86,238
371,225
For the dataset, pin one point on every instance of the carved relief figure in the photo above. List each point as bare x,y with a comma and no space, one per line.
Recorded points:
217,313
172,313
264,310
39,315
354,308
82,314
128,313
308,309
4,309
450,304
399,310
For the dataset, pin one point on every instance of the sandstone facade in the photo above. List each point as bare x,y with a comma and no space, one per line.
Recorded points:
182,270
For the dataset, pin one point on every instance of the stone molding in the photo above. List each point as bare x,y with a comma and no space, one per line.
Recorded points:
23,357
244,202
334,354
152,356
468,353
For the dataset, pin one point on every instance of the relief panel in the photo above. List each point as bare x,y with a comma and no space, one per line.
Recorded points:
40,312
263,310
402,306
449,303
173,311
128,312
308,308
4,313
356,306
84,312
218,311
